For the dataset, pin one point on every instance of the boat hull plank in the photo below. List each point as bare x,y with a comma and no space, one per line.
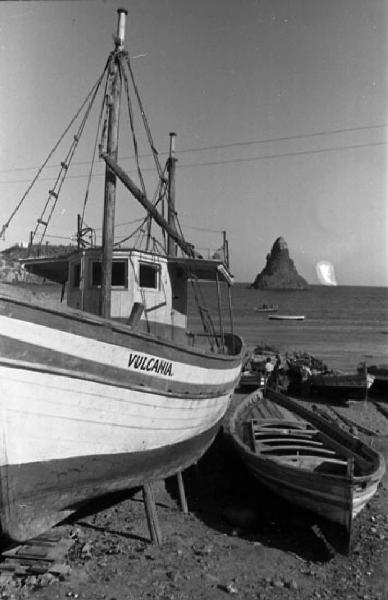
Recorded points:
62,332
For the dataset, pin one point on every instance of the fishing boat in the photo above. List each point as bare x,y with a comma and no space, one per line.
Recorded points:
111,390
340,385
271,308
287,317
303,457
310,377
380,378
251,379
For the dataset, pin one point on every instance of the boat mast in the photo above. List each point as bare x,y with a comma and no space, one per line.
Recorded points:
171,245
110,177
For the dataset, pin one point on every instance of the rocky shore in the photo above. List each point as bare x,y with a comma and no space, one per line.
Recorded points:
237,540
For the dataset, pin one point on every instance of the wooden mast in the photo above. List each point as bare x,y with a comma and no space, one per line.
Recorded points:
110,177
171,245
150,208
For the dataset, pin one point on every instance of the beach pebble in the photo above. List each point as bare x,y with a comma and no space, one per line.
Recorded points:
86,550
212,578
291,584
230,588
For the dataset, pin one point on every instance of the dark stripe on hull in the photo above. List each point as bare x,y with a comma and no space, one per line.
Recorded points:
43,494
46,360
112,332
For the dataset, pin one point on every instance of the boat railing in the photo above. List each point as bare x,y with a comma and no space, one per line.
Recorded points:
228,343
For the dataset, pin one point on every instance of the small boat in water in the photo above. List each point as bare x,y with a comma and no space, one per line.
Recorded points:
305,458
287,317
271,308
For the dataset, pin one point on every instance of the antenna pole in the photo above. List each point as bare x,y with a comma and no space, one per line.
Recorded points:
171,245
110,177
225,247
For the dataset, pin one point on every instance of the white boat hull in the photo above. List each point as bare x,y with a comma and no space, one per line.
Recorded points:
89,407
46,416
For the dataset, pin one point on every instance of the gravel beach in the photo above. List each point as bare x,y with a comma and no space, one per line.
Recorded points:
237,540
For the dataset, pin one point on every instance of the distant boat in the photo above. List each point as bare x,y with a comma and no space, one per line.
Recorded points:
266,308
304,458
345,385
287,317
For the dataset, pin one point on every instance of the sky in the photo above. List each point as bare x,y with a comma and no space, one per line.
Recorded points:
280,109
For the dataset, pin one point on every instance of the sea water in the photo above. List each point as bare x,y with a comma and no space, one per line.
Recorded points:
343,325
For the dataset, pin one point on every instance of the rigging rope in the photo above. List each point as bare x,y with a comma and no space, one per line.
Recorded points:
132,125
159,196
52,151
128,237
145,122
103,106
54,193
207,322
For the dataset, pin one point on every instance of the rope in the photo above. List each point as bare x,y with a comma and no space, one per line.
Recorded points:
128,237
99,128
132,126
52,151
64,169
159,196
206,319
145,122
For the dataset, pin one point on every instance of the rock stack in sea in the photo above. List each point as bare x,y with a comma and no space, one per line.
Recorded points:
279,272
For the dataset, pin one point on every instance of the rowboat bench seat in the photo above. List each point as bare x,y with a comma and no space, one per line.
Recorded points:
287,440
296,448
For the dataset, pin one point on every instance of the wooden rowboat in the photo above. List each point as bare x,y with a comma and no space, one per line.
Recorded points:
304,458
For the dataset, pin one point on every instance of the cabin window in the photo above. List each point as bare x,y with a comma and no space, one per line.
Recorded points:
119,274
148,275
76,280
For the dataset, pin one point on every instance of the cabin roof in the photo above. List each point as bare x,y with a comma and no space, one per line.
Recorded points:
56,268
201,268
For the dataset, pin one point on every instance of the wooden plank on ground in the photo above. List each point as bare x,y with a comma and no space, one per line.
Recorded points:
39,555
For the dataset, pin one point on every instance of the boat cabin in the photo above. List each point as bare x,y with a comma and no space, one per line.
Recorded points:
148,291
